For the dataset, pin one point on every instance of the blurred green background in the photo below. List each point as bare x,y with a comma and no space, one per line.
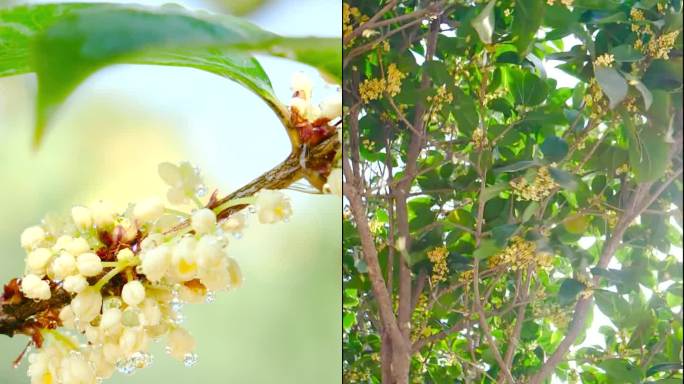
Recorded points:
283,325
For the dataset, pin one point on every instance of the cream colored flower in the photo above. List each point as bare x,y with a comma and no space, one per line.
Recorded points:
34,287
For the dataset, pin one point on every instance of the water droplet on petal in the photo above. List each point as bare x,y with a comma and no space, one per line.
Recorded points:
237,235
190,359
141,359
125,366
211,296
252,209
201,190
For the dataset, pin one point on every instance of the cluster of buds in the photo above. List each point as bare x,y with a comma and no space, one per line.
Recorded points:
595,100
540,188
566,3
605,60
440,270
559,316
520,255
479,139
660,47
373,89
351,17
117,281
441,98
420,318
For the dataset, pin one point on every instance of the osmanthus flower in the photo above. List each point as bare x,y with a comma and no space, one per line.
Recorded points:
126,275
313,122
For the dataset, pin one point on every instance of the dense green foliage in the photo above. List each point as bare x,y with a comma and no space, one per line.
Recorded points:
511,207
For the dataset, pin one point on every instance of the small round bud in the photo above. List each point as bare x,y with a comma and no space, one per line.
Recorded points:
63,266
34,287
209,252
87,304
75,283
37,260
148,210
155,263
110,318
32,236
203,221
89,264
82,217
125,255
77,246
133,293
103,214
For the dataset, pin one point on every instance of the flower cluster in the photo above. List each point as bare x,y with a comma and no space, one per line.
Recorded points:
351,16
567,3
519,255
313,122
128,275
440,270
479,139
605,60
556,314
372,89
539,189
660,47
595,100
441,98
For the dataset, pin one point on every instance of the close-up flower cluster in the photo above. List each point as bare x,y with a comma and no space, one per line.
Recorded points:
127,276
519,255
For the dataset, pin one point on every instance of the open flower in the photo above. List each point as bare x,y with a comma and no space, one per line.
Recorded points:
273,206
184,181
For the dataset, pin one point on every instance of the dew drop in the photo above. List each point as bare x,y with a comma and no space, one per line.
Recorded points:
237,235
252,209
201,190
211,296
125,366
190,359
141,359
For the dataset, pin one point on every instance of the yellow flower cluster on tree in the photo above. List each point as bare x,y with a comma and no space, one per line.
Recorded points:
540,188
440,270
443,96
595,100
351,16
660,47
554,312
420,317
479,139
605,60
520,255
372,89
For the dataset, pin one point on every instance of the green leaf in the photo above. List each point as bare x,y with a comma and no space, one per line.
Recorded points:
501,233
648,155
527,19
621,371
568,291
493,190
612,84
563,178
527,88
517,166
324,54
663,367
646,94
484,23
529,211
626,53
486,249
554,149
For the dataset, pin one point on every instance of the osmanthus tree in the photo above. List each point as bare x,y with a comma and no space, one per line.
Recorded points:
489,212
117,277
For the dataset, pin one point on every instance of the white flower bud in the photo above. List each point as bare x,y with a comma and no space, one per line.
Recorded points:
62,244
334,183
103,213
76,370
133,293
75,283
34,287
87,304
302,84
273,206
209,252
155,262
203,221
110,318
148,210
63,266
151,241
37,260
67,317
112,352
125,255
82,217
331,107
78,245
32,236
180,343
94,335
89,264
